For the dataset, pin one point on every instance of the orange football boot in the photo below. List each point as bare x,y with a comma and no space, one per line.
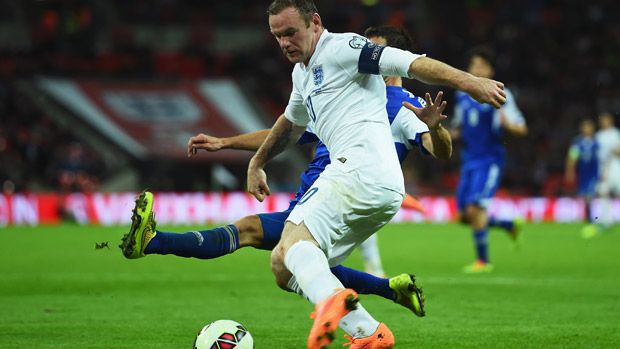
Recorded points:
327,315
381,339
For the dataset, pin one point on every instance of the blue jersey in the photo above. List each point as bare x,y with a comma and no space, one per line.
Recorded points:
585,151
481,132
316,166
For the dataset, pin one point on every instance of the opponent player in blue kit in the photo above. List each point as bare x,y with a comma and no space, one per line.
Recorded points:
582,161
480,128
263,231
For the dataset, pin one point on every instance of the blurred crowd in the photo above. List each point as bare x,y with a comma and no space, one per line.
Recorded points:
559,58
37,154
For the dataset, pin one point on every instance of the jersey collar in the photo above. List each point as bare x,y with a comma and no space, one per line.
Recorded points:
319,46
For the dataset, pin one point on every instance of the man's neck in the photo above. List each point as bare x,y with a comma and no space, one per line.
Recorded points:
315,44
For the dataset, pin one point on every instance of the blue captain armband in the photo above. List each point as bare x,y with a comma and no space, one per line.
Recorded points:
369,58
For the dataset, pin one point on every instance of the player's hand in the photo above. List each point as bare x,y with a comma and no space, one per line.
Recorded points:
257,183
203,141
431,114
488,91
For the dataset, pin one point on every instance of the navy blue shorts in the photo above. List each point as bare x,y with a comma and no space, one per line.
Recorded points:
478,184
273,224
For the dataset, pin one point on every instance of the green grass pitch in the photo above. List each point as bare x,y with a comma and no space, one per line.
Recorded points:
556,291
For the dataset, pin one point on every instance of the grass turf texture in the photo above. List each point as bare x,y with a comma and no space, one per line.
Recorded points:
556,291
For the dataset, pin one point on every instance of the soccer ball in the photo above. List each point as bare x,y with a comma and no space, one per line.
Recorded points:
224,334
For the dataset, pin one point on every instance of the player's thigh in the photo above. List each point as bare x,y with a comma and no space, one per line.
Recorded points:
342,211
362,225
484,184
272,225
463,189
321,210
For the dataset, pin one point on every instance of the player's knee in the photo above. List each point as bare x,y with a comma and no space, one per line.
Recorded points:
250,231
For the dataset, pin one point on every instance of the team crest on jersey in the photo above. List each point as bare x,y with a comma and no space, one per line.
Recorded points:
357,42
317,74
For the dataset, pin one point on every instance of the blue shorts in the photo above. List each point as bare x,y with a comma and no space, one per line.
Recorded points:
478,184
587,187
273,224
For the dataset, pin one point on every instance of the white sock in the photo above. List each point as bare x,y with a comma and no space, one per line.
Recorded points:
309,266
294,286
359,323
606,214
372,257
314,280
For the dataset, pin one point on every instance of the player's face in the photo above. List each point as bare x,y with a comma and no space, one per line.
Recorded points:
478,66
587,128
296,39
605,120
378,40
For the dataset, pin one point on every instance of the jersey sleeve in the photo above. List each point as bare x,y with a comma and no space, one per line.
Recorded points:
296,111
511,111
370,58
396,62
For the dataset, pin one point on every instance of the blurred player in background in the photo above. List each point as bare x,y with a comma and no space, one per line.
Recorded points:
608,139
582,164
480,128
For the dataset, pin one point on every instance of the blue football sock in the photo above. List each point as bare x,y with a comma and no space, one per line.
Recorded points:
481,237
199,244
363,283
589,212
507,225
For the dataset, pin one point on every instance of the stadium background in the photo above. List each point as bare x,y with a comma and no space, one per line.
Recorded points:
98,98
560,58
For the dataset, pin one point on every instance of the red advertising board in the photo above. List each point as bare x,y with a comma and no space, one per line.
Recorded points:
199,208
156,119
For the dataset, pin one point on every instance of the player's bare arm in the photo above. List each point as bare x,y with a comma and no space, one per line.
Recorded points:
282,134
513,128
570,166
438,141
434,72
247,141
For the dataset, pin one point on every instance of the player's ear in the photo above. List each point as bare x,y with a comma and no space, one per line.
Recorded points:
316,20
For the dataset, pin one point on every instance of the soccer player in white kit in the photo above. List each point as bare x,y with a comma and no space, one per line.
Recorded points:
337,85
608,139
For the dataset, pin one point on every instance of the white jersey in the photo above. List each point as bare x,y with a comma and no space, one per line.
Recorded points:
609,140
406,128
338,92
